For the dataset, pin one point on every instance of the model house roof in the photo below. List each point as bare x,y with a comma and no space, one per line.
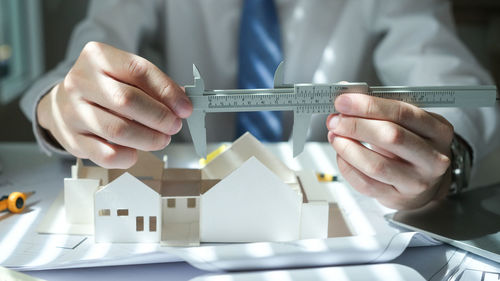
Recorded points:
174,182
240,151
127,185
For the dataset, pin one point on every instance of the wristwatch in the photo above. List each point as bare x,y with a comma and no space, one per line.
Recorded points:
461,164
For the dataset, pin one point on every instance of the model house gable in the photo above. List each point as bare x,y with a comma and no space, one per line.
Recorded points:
128,186
127,210
251,204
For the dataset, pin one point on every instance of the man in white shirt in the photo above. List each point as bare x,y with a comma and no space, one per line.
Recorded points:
103,102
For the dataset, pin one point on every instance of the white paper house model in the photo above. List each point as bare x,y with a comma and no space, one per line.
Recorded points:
126,210
245,194
251,204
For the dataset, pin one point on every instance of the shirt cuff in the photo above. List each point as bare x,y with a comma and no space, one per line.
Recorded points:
464,127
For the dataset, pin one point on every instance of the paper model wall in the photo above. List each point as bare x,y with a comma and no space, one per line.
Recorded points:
237,197
180,191
126,210
79,200
313,214
79,193
85,180
251,204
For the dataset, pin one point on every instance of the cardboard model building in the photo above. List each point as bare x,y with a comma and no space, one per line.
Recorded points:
245,194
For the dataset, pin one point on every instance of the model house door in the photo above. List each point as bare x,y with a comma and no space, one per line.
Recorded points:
180,221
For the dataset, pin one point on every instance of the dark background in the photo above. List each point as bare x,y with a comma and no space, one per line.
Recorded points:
478,24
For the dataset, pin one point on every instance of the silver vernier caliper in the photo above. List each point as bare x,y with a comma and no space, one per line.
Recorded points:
307,99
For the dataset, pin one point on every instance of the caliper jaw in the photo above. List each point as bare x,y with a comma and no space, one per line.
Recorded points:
301,123
279,77
301,120
196,122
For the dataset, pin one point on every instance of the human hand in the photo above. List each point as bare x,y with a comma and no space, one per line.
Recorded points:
112,103
407,163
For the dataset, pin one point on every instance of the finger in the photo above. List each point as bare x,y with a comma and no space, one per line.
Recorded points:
440,118
330,136
386,194
394,138
105,154
137,71
132,103
375,148
384,152
449,133
362,183
98,121
407,115
392,172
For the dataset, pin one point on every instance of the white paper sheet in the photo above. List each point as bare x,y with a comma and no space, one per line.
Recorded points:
302,253
10,275
376,272
268,255
44,253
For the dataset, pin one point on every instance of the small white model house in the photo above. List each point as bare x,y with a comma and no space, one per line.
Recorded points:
127,210
251,204
245,194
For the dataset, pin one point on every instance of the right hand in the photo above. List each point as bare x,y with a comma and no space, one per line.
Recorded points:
112,103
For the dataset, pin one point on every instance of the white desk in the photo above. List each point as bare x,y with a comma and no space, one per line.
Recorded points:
26,169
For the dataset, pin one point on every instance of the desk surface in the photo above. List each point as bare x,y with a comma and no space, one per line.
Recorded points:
25,169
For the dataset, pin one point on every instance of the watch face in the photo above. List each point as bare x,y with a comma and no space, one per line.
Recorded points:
460,165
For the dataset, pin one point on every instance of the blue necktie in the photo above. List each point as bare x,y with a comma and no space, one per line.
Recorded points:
259,55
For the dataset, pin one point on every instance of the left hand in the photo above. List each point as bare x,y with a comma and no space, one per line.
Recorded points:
407,163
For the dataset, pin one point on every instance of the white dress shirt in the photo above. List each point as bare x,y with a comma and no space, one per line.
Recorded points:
381,42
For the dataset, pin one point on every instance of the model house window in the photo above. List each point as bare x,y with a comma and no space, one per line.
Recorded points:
139,223
104,213
152,224
191,203
122,212
171,203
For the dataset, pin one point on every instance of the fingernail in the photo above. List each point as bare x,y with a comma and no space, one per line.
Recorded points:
176,127
331,136
334,121
343,103
166,141
183,107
